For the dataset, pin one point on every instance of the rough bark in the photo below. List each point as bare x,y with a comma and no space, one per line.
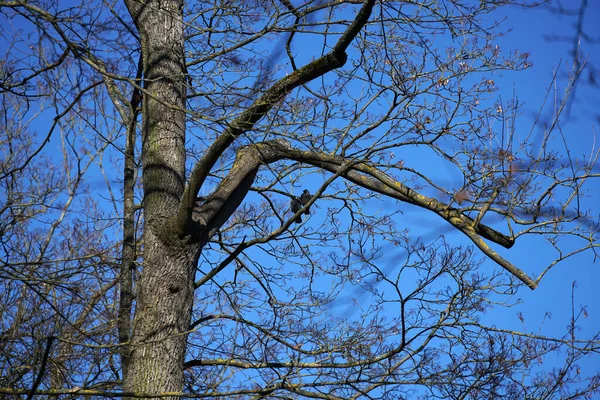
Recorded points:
165,291
162,319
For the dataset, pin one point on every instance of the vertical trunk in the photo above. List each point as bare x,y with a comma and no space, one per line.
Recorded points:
165,291
162,318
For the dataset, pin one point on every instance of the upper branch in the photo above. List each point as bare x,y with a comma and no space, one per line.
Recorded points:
245,121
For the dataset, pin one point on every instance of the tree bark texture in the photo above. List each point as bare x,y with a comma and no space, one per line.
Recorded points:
165,291
162,318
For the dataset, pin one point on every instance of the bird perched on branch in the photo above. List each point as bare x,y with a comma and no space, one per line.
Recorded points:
304,199
296,205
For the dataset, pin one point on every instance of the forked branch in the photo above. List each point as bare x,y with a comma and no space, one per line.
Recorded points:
217,209
245,121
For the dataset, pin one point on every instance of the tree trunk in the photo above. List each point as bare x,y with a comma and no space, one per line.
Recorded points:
162,318
165,291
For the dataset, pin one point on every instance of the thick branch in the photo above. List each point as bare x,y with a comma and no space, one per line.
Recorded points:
224,201
220,205
38,380
370,177
334,59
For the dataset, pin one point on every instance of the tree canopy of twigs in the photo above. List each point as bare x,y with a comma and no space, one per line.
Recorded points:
157,240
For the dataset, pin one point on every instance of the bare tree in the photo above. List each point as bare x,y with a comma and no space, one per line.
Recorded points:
187,129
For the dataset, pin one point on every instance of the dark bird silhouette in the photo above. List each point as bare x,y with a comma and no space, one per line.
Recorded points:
305,198
296,205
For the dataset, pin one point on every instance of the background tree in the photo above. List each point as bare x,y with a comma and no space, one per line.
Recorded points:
185,129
